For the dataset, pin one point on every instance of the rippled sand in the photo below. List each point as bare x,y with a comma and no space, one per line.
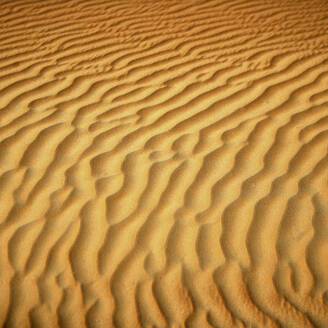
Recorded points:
163,163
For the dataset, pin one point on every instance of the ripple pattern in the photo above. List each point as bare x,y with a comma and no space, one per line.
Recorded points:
163,163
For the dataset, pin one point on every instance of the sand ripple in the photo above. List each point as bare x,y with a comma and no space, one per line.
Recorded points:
163,163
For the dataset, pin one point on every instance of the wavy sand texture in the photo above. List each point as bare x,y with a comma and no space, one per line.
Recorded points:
163,163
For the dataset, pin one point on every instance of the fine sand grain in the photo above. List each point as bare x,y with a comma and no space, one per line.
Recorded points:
163,164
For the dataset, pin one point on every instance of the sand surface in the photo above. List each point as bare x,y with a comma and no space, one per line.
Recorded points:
163,163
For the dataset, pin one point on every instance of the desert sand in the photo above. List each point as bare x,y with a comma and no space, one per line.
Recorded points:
163,164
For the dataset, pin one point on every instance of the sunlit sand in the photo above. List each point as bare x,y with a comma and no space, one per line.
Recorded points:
163,164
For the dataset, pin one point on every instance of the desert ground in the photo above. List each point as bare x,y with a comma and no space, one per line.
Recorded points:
163,164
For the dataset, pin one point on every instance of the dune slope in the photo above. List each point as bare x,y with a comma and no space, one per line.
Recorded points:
163,163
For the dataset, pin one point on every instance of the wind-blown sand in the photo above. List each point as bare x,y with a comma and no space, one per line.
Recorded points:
163,163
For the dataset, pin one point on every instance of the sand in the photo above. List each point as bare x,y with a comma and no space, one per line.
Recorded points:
163,163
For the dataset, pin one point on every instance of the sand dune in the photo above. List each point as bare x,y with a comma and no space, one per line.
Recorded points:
163,163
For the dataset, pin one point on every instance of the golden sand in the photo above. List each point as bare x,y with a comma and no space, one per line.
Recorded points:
163,164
